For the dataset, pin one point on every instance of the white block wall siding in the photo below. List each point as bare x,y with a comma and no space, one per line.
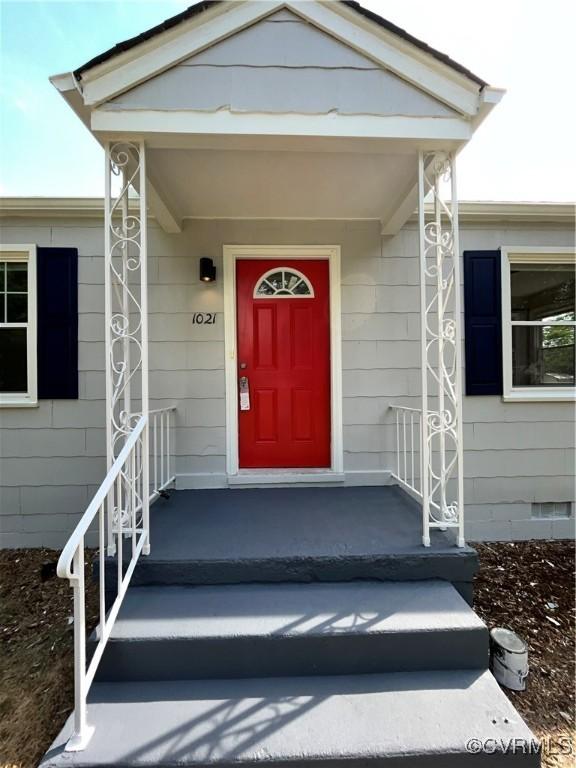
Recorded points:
52,457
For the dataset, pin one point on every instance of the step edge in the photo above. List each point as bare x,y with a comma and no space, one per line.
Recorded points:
477,628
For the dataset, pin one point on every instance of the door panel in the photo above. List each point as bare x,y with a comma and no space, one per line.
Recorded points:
284,350
301,319
266,414
302,415
264,337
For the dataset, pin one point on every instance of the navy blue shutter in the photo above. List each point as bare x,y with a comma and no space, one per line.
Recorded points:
57,274
483,322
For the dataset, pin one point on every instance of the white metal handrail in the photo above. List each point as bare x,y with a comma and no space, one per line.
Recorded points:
120,499
120,506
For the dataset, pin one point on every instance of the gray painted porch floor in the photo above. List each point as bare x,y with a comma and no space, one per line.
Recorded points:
283,522
231,536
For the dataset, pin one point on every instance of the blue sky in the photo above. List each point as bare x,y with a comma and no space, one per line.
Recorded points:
525,151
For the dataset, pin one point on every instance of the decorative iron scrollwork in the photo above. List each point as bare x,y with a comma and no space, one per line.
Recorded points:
441,343
125,233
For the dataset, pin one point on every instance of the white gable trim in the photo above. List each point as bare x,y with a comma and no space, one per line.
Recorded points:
388,49
224,122
123,72
165,50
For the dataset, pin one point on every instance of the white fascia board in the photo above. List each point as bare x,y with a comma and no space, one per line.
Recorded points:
489,98
224,122
167,49
399,56
63,82
70,90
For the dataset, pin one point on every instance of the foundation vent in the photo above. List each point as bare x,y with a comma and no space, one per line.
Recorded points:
547,509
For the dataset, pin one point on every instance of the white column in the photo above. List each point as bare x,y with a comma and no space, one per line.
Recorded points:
108,336
442,453
126,321
424,446
458,353
144,340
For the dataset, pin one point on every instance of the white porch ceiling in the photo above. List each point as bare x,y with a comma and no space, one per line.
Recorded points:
282,185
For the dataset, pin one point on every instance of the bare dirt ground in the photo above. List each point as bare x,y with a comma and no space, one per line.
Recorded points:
527,587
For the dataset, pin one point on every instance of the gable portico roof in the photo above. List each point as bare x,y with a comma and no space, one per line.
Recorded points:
204,5
331,136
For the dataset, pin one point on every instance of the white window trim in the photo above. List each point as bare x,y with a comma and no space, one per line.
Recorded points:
527,255
331,253
30,398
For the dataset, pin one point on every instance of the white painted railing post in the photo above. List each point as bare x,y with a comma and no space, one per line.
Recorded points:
82,731
144,342
108,338
425,459
458,351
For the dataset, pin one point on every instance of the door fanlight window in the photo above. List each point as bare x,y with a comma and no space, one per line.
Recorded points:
283,283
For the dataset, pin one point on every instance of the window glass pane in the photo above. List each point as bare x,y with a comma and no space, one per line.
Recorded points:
17,276
301,289
290,280
2,273
17,307
2,302
542,291
275,280
543,355
13,360
265,289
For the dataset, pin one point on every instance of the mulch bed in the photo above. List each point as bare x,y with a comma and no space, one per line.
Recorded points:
527,587
36,653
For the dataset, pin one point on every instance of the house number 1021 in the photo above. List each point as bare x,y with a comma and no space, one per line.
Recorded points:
203,318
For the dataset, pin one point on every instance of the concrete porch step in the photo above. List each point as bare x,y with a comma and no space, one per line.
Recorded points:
403,720
259,630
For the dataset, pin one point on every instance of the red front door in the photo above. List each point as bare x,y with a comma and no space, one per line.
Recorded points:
283,362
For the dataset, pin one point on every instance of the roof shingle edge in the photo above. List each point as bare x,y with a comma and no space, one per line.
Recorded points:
198,8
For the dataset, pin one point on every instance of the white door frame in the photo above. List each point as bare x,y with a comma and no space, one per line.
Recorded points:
231,254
